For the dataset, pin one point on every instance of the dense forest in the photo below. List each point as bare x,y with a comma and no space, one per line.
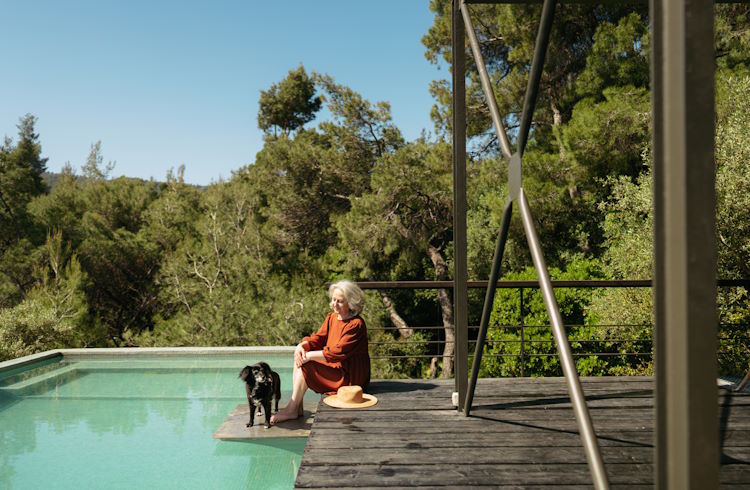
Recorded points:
92,261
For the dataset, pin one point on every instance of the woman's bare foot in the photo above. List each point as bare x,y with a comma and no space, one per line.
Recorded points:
287,413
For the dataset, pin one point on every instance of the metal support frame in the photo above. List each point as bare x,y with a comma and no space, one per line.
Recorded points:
687,452
687,439
516,192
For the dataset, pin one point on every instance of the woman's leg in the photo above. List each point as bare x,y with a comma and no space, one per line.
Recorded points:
295,407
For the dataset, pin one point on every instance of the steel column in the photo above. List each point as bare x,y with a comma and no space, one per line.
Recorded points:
460,273
687,439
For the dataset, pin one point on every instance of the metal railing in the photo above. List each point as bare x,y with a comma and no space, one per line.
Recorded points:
530,343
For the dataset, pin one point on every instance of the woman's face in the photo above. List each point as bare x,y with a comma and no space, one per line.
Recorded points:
339,303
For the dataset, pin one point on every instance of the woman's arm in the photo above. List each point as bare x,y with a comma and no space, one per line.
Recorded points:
315,355
318,339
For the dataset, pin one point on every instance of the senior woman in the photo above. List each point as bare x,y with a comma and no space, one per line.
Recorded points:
334,356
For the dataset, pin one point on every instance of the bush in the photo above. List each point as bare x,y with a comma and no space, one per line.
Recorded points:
503,351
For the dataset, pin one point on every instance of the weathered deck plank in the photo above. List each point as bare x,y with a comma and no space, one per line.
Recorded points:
522,434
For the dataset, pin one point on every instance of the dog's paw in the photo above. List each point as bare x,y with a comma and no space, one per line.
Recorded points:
249,424
267,426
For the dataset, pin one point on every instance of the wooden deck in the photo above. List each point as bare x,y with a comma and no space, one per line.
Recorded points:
521,434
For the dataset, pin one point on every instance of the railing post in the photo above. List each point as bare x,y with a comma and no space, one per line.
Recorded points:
523,362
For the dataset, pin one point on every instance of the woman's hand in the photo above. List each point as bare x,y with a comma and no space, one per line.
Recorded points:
300,355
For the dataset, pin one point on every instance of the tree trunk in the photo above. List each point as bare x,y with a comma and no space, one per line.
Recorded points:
403,328
433,368
446,309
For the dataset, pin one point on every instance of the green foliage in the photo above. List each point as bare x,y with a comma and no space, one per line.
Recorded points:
52,314
21,168
95,261
218,286
407,212
117,255
629,224
94,168
628,227
394,358
732,176
289,175
732,36
507,34
619,56
502,355
608,137
63,207
363,130
170,219
733,213
30,327
290,104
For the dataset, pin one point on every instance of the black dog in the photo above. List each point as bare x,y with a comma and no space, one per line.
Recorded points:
261,384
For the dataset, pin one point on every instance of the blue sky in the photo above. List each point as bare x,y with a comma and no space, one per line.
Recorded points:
163,83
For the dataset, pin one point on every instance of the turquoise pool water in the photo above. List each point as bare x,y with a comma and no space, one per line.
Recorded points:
136,422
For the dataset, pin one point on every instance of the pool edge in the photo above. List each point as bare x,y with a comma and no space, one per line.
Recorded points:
129,351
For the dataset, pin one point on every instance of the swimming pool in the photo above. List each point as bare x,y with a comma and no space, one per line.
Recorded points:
97,419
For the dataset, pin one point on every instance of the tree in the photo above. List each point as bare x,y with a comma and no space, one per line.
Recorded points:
21,168
507,35
63,207
629,225
591,120
300,188
52,313
28,153
94,167
288,105
218,286
364,130
302,183
118,256
405,224
619,56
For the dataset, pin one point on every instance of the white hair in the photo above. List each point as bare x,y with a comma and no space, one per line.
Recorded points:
353,294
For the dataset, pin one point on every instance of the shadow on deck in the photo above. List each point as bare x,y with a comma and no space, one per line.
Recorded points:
522,433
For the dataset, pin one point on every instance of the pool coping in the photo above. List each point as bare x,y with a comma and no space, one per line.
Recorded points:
132,351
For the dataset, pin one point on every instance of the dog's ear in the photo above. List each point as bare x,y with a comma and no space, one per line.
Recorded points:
244,373
266,368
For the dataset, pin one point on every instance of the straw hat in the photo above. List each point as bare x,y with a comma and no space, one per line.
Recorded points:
350,397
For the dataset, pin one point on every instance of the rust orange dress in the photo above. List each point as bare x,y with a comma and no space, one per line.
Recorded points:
347,361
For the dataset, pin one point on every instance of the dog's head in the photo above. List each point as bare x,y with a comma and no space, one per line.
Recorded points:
259,373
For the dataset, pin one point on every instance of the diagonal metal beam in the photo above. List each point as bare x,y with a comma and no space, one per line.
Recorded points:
585,427
489,300
484,78
535,75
